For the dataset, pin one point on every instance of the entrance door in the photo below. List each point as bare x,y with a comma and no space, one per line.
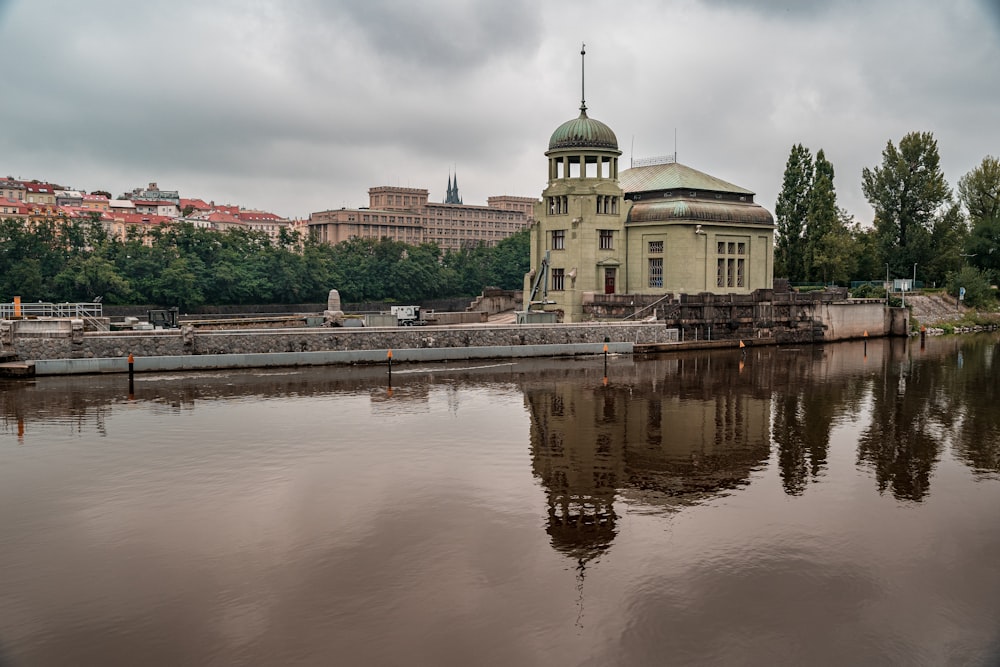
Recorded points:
609,281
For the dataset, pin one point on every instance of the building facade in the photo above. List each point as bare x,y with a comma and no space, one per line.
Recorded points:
406,215
659,228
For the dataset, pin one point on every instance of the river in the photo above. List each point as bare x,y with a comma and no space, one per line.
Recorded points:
821,505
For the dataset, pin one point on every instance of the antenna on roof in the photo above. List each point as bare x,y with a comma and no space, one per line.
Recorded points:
675,144
631,154
583,78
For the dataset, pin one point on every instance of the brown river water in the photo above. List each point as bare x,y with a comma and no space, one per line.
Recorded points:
828,505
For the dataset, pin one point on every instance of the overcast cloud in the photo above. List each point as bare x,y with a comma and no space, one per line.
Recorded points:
297,106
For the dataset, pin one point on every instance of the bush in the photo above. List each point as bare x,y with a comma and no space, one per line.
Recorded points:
868,291
978,293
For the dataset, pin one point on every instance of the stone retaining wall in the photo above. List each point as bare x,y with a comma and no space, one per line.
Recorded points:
187,341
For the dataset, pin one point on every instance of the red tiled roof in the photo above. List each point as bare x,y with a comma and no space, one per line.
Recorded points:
83,212
196,204
259,215
219,216
20,206
140,218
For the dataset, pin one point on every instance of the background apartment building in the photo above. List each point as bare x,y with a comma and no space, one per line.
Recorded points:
405,214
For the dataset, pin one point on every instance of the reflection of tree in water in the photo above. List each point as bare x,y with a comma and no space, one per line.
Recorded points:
978,383
911,411
804,412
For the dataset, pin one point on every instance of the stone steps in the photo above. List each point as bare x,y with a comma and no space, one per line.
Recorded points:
17,369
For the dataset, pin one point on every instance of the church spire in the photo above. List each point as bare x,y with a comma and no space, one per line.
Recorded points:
452,195
583,96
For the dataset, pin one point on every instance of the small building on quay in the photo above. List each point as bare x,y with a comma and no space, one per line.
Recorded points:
657,228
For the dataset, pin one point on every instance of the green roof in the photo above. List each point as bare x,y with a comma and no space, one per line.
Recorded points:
583,132
673,176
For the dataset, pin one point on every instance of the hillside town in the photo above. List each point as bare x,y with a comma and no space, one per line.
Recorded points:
134,212
400,214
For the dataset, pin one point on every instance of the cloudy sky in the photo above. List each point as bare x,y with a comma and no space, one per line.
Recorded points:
301,105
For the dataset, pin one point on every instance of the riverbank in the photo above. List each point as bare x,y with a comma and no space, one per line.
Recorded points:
49,348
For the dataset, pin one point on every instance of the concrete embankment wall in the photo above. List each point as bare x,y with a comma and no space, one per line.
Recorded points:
842,321
331,345
190,348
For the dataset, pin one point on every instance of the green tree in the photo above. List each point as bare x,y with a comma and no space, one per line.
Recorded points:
978,293
86,277
823,236
979,192
908,192
791,210
509,261
868,264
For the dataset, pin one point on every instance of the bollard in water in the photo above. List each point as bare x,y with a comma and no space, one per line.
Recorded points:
388,356
131,377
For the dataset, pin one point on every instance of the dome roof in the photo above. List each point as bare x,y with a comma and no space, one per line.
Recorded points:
583,132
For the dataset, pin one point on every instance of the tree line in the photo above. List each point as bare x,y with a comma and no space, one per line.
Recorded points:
919,221
186,266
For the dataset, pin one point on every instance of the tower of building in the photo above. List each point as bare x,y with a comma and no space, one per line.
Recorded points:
578,244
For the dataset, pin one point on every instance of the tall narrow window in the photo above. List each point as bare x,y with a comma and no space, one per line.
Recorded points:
656,272
720,273
606,239
558,280
740,271
558,239
731,273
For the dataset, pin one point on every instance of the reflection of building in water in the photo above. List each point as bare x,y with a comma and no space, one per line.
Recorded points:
577,452
653,440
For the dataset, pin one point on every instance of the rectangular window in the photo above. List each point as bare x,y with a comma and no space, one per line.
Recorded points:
606,238
741,248
730,273
720,273
739,272
558,280
558,239
732,248
655,247
720,248
656,272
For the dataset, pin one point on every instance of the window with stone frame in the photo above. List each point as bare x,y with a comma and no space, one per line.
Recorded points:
606,238
558,239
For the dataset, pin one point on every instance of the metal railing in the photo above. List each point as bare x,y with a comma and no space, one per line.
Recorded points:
90,313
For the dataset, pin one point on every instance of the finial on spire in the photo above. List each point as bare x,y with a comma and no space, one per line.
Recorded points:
583,96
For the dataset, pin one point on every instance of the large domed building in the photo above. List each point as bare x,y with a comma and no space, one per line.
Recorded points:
657,228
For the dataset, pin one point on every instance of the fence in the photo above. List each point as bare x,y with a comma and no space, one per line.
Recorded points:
91,313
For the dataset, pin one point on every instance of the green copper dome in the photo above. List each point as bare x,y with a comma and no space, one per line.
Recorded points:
583,132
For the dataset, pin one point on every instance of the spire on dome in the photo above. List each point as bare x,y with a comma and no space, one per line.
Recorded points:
583,96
